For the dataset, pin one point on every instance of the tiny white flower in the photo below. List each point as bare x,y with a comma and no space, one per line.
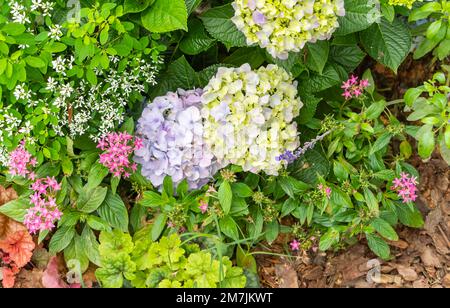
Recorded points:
55,32
51,84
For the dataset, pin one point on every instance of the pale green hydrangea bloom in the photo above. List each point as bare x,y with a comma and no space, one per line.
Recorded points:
248,117
287,25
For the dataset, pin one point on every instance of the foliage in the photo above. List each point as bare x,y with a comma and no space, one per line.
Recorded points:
433,111
168,263
435,30
250,128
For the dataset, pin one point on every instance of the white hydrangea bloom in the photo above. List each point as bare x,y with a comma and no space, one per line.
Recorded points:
285,26
248,117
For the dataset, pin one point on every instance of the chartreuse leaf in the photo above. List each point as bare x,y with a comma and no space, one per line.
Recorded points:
136,6
165,16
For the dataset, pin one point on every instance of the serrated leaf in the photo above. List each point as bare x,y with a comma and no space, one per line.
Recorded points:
388,43
218,23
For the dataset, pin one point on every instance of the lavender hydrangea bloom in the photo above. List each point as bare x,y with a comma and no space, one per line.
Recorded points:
172,132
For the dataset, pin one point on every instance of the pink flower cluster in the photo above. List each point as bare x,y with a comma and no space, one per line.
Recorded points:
20,161
45,212
203,206
325,190
406,187
295,245
117,149
354,88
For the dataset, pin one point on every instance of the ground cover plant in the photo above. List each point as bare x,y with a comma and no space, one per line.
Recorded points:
162,143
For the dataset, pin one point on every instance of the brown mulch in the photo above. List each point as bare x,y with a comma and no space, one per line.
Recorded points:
421,258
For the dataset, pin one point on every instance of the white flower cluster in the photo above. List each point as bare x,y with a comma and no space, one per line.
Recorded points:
11,124
248,117
287,25
20,13
105,102
172,133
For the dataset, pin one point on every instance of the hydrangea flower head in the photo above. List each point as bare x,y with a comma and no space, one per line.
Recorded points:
249,117
171,129
285,26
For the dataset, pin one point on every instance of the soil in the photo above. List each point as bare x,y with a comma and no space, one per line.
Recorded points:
421,258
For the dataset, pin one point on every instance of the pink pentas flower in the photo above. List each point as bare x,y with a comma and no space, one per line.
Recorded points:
203,206
295,245
44,213
117,149
406,187
354,88
21,161
325,190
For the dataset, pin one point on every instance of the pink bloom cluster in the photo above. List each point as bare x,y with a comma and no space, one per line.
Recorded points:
406,187
354,88
325,190
295,245
203,206
20,160
117,149
45,212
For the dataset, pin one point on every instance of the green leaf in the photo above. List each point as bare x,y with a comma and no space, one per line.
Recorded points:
225,196
350,57
61,239
241,190
218,23
271,231
251,55
384,229
371,201
197,39
378,246
16,209
75,255
179,74
425,136
317,55
115,180
357,13
381,143
191,5
96,175
229,228
375,110
329,239
90,245
408,217
94,199
158,226
13,28
113,210
35,62
165,16
387,43
151,199
136,6
168,186
412,95
97,223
